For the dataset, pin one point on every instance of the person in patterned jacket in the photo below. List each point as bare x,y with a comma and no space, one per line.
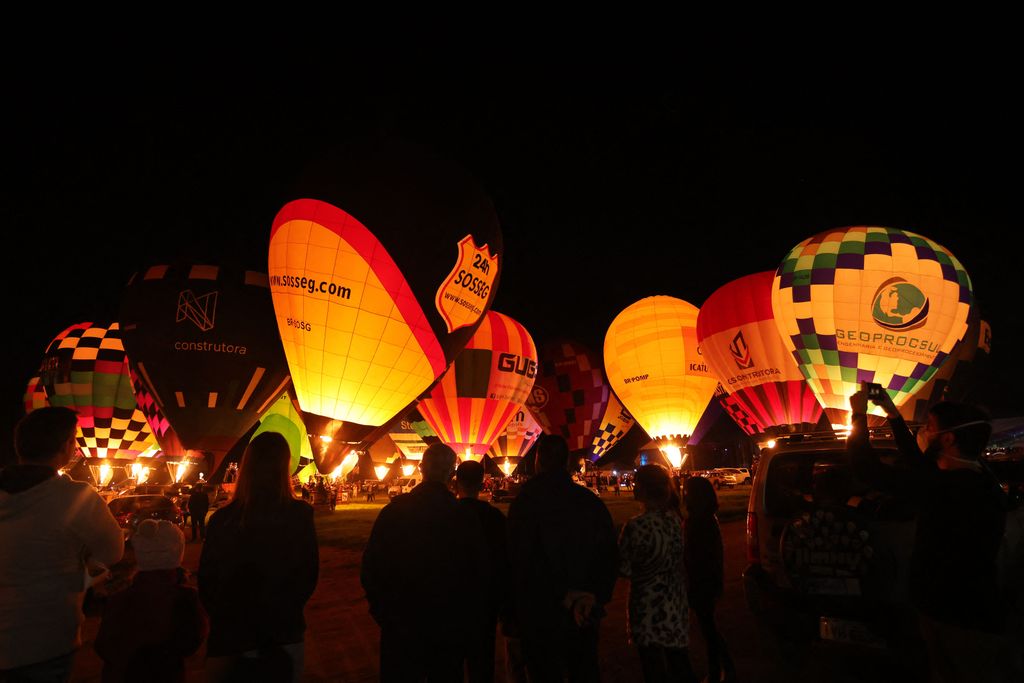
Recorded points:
651,557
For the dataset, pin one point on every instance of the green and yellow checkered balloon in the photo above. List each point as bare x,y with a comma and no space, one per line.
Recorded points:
870,304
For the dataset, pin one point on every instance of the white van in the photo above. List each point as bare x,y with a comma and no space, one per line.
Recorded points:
404,485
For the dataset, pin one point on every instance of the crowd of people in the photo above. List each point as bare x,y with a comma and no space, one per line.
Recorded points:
445,573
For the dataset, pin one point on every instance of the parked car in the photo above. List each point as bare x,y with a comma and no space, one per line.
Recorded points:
828,560
736,475
129,511
718,479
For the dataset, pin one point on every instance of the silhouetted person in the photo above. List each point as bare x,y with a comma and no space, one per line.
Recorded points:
150,628
259,566
198,506
480,655
961,518
704,559
423,572
651,557
51,528
564,562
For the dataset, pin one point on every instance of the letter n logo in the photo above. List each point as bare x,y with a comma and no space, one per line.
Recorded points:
741,352
201,310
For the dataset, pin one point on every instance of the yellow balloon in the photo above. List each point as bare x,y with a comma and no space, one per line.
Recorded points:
869,304
654,366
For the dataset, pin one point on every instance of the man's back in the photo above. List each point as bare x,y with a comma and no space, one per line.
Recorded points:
424,554
47,525
561,538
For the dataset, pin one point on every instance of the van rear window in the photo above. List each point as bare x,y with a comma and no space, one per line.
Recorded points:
799,481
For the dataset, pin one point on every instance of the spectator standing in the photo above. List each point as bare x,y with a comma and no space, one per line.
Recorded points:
198,507
51,528
258,568
704,559
423,572
564,563
651,557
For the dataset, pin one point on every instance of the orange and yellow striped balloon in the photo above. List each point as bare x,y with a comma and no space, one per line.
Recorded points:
484,388
654,366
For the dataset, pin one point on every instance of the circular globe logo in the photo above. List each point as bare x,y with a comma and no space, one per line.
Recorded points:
899,305
538,398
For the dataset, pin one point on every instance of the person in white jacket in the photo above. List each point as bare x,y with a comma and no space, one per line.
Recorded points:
50,527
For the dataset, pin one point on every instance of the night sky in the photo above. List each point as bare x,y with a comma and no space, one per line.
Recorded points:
612,181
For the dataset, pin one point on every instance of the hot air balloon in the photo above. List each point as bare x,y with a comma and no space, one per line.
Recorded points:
739,340
516,439
570,395
953,380
655,367
615,424
35,395
85,369
203,348
283,417
868,304
739,413
484,388
380,273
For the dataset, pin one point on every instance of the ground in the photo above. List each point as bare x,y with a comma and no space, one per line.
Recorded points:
342,639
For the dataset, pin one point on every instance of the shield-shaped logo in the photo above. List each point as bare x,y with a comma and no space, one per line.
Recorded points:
462,297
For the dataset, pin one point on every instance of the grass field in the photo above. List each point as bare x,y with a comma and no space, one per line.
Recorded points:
349,527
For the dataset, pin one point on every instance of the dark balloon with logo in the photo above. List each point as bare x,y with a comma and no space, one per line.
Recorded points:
870,304
382,268
484,389
570,395
760,385
204,353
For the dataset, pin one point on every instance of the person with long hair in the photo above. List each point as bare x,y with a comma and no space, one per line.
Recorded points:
651,557
258,568
705,570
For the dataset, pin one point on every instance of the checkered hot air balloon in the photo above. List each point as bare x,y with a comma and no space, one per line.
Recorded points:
381,270
85,369
204,354
615,424
570,395
655,367
869,304
741,344
484,388
35,395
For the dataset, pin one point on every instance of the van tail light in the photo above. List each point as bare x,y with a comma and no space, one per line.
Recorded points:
753,545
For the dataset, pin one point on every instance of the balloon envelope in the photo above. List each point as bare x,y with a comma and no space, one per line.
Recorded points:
869,304
615,424
85,369
484,388
35,395
283,417
202,344
740,341
381,270
570,395
517,438
655,367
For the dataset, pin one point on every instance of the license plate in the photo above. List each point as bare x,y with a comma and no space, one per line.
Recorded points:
846,631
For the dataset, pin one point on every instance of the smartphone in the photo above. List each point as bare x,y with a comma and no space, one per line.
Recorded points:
873,390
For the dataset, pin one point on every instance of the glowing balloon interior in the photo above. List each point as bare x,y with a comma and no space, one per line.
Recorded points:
484,388
654,365
740,341
870,304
